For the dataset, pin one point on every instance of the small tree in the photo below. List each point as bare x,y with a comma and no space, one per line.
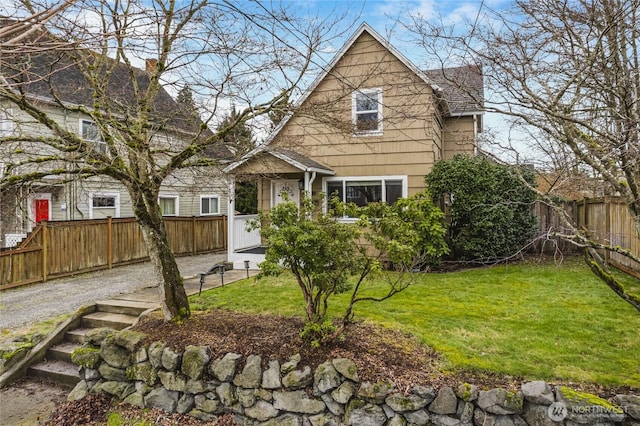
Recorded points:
327,256
490,207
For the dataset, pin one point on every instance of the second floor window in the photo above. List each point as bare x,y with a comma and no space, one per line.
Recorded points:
91,133
367,111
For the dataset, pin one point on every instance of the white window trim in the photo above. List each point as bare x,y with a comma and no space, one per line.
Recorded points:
115,195
382,179
209,196
354,105
176,200
100,144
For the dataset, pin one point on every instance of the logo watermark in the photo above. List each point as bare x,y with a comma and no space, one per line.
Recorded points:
558,411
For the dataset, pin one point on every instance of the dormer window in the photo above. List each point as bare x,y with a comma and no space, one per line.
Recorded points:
367,111
91,133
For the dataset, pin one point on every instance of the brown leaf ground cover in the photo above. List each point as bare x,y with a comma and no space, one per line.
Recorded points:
380,355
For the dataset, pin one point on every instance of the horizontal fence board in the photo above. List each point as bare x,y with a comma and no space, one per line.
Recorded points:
61,248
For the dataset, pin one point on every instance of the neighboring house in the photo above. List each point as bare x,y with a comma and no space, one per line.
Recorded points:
67,197
368,129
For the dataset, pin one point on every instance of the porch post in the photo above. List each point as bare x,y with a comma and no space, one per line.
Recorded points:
231,217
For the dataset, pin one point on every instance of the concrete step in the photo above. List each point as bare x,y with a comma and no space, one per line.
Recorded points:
127,307
62,351
106,319
77,335
57,371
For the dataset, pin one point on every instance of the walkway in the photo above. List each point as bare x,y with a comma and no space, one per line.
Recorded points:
23,306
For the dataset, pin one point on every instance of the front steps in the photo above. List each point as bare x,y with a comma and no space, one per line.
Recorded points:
57,366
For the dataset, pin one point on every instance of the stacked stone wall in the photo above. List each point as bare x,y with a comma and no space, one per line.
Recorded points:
268,392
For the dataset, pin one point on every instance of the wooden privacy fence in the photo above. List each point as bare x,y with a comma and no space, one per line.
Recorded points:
60,248
606,220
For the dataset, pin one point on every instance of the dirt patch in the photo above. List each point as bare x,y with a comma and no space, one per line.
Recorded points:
30,402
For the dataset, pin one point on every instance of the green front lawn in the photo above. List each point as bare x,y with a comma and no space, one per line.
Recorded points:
531,320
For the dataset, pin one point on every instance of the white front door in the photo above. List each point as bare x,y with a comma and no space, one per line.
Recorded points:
280,187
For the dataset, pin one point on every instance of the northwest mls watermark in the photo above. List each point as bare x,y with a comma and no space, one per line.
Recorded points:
558,411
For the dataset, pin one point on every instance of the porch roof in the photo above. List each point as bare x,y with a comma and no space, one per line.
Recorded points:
293,158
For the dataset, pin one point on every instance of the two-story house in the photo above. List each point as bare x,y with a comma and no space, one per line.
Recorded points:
51,79
369,128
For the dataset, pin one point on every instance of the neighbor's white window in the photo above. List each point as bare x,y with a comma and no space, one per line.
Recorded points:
103,205
169,205
102,201
90,132
367,111
209,204
363,190
6,122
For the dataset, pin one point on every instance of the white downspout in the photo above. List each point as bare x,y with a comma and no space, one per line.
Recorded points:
230,218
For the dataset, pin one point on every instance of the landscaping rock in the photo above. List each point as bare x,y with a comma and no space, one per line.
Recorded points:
445,402
79,391
95,336
326,377
170,359
347,368
500,401
360,412
401,403
143,371
375,393
155,353
163,399
538,392
224,369
271,376
251,373
298,379
467,392
297,402
343,393
86,356
535,414
194,360
185,404
291,365
172,381
114,354
227,394
333,406
442,420
111,373
261,411
284,420
205,404
135,399
631,405
129,339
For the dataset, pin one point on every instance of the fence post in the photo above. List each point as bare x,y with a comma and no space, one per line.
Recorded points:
45,234
193,234
110,242
607,226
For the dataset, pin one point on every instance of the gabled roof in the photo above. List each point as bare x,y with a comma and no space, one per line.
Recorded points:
462,88
52,73
455,96
302,163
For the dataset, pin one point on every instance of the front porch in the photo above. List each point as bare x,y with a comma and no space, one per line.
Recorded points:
277,172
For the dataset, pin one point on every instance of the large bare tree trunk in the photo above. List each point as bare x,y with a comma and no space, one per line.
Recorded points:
175,304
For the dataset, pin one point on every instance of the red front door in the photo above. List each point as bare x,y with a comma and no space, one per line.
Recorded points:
42,210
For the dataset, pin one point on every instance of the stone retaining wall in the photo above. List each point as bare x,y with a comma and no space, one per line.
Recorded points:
266,392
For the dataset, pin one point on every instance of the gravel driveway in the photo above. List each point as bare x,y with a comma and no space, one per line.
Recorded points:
25,305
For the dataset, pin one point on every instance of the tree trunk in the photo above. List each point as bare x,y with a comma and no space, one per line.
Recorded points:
173,297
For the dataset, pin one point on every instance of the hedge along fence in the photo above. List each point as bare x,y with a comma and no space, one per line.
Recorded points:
60,248
271,393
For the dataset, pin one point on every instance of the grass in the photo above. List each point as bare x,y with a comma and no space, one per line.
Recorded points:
530,320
